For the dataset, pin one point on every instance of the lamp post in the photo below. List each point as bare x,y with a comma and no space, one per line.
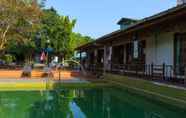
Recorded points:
47,50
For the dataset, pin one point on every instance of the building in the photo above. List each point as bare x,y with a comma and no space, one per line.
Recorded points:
180,2
153,46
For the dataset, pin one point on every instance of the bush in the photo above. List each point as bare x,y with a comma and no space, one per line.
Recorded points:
8,58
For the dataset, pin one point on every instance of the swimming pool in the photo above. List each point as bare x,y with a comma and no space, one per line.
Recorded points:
83,103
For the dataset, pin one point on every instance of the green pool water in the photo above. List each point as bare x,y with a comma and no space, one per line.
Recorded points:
83,103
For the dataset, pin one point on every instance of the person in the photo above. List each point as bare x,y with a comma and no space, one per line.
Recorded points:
43,57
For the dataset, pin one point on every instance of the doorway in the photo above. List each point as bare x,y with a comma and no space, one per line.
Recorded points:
180,53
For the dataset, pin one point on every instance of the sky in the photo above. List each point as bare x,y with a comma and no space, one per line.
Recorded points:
96,18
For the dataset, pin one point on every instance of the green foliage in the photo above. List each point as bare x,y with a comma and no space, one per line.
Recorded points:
21,50
59,30
77,40
24,19
19,18
8,58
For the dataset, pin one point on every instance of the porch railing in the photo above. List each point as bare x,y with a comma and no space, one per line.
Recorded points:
149,71
165,72
95,68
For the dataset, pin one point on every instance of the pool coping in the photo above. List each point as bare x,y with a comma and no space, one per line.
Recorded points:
46,84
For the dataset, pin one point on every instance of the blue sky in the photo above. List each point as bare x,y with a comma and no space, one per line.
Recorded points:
98,17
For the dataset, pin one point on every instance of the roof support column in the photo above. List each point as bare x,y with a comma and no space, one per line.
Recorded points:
110,57
125,54
95,56
80,59
105,60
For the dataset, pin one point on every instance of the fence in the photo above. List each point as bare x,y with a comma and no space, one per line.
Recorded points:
150,71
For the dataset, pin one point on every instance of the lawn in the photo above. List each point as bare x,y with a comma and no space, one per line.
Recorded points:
149,89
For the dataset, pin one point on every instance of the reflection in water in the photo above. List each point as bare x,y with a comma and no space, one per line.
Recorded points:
87,103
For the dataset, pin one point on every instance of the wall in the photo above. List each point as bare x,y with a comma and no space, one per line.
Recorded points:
160,48
180,2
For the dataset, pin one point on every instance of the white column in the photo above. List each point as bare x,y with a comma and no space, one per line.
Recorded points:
124,55
105,60
109,58
95,56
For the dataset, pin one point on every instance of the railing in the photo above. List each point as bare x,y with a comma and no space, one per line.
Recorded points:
95,68
166,72
149,71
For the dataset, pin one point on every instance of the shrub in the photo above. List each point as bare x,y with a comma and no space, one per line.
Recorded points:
8,58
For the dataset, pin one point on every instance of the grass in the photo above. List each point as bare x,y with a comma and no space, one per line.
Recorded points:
147,88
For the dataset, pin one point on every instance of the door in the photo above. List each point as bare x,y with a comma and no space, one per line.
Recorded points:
180,53
118,55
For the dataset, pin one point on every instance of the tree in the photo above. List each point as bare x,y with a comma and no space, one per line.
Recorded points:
22,51
77,40
58,30
19,18
29,32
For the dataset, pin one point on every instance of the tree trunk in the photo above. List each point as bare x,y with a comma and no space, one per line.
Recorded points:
2,52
